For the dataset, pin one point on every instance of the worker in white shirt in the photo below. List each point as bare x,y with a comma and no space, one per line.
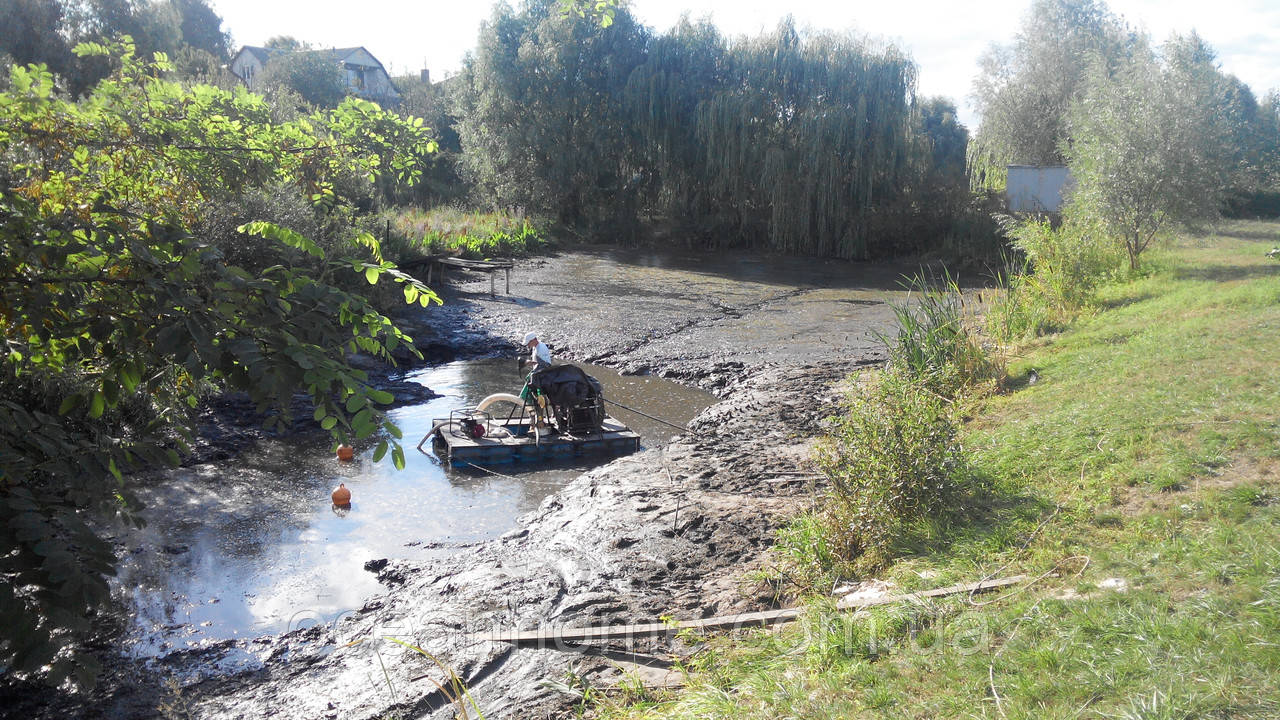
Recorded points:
539,353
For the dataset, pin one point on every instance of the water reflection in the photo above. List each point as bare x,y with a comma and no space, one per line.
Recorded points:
254,545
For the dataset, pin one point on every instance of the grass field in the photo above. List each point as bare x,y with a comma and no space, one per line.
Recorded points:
1136,481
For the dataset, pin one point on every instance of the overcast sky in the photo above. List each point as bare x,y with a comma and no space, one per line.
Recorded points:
946,38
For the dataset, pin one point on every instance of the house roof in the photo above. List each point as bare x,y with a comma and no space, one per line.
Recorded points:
345,55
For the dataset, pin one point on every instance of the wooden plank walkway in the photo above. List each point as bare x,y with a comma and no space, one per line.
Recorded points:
553,636
445,261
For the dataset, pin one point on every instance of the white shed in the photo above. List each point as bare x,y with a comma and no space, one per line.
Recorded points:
1033,188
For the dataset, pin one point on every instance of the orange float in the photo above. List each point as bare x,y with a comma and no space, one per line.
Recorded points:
346,453
341,495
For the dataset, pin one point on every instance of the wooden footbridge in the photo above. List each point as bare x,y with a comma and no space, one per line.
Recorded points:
441,262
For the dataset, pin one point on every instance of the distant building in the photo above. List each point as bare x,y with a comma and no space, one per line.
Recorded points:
365,75
1038,189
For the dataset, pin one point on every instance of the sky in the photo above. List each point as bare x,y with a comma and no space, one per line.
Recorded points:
945,37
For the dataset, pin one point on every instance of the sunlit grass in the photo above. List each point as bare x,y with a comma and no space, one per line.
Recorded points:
1137,479
464,233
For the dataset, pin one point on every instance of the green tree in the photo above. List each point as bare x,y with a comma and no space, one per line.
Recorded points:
540,115
32,33
188,31
682,69
792,141
1024,90
434,102
116,318
286,42
202,28
1268,135
314,74
1151,143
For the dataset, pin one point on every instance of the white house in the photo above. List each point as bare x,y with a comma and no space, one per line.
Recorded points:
365,75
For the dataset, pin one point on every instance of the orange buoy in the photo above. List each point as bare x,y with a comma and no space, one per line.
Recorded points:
341,495
346,453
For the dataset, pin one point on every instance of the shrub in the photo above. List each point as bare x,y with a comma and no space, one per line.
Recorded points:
1055,279
890,460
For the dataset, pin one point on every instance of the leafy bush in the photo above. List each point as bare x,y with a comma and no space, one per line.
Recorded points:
812,556
1054,283
890,460
119,311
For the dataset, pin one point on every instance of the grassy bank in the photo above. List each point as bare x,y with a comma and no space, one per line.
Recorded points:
1136,480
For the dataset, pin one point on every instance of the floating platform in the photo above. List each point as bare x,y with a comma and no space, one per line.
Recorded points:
515,440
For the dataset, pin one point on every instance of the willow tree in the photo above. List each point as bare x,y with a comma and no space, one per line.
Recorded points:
809,136
683,68
541,121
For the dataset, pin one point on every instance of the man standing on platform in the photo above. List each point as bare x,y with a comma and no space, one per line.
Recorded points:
539,353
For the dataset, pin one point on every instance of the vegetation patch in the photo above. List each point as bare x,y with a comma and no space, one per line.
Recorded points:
470,234
894,458
1133,482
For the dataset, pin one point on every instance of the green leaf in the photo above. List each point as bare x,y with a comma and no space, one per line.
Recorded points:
69,403
97,405
380,451
397,457
329,422
111,390
382,397
362,423
271,231
130,377
371,274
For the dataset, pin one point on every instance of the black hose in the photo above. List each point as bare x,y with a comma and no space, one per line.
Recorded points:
681,428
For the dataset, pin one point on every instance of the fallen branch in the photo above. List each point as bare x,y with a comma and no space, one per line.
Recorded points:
555,636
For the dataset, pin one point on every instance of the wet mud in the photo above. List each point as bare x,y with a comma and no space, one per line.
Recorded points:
670,532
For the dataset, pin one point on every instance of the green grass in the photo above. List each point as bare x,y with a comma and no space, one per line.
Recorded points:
1138,479
470,234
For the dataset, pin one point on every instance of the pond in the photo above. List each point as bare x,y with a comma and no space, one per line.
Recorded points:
252,546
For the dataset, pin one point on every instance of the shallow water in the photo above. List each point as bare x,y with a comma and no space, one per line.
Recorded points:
252,545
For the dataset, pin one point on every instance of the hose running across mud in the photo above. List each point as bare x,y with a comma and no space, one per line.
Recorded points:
681,428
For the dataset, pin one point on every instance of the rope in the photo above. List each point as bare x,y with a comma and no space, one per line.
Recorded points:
681,428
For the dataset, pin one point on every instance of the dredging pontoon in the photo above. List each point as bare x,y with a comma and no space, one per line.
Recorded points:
559,414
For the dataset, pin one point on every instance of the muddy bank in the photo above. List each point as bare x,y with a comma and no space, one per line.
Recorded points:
671,531
668,532
703,319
